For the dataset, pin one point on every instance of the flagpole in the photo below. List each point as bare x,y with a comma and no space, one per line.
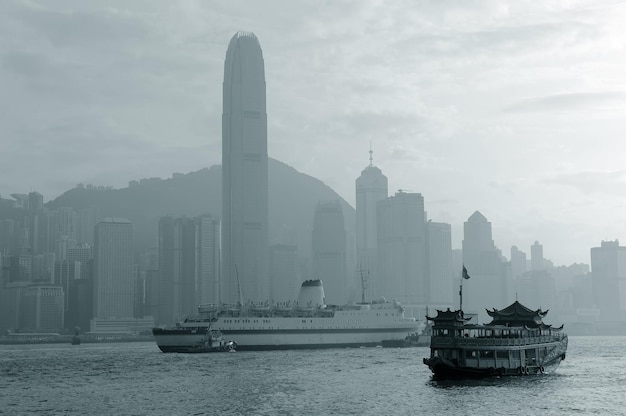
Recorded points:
461,294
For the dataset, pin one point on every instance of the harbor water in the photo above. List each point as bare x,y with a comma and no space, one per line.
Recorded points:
137,379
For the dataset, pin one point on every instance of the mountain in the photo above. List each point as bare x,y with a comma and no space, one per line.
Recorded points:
292,199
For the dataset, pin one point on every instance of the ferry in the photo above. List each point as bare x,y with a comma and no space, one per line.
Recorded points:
515,343
308,323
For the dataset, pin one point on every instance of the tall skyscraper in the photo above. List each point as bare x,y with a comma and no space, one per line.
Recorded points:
329,251
245,248
402,251
371,187
114,286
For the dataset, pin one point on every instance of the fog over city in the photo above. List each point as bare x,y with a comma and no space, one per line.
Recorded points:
512,109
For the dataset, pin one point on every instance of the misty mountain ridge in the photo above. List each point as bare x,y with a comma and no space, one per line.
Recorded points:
292,199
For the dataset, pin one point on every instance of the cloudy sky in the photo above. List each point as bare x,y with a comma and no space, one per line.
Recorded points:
515,109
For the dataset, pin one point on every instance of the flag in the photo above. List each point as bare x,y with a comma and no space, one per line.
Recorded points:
465,275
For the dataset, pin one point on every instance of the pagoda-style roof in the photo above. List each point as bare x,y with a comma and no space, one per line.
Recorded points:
449,317
517,314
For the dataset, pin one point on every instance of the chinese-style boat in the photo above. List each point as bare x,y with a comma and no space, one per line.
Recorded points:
516,342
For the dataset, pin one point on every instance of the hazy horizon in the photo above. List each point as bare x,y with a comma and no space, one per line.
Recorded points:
510,109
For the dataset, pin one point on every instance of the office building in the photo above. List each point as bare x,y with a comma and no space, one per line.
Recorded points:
245,248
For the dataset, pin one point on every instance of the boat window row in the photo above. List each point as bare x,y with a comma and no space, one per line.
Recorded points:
491,333
246,321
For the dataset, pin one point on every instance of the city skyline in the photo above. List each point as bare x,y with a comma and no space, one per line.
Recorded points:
510,109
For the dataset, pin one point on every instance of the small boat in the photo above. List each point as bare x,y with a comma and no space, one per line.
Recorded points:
515,343
192,340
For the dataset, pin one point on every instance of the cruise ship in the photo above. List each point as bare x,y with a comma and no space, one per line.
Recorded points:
308,323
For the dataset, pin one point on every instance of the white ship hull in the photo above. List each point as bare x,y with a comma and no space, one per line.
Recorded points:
367,327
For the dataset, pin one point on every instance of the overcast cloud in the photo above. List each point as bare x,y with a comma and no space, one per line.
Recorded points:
515,109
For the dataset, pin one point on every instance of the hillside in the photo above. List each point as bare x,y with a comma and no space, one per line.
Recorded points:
292,199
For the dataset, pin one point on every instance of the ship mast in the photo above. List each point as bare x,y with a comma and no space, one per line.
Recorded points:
364,280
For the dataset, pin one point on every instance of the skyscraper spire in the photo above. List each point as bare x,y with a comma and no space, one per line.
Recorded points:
371,153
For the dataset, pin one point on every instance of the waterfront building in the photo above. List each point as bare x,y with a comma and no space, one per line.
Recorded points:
245,247
42,309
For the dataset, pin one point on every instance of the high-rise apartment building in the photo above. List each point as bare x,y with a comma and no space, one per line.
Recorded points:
329,261
245,252
371,187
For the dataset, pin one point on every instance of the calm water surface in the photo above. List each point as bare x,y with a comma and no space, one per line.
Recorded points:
137,379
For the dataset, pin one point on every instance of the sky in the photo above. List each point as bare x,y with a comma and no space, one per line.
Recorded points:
515,109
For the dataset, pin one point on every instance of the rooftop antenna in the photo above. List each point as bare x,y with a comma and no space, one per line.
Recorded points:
371,153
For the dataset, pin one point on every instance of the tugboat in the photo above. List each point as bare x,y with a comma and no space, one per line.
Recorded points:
203,339
515,343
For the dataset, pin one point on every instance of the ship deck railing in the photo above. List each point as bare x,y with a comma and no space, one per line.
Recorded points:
447,341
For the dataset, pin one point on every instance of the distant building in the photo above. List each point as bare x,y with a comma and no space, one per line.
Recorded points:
537,261
42,309
189,265
440,271
63,231
208,264
245,246
518,262
11,297
487,286
177,269
608,271
402,272
284,282
113,285
371,187
329,260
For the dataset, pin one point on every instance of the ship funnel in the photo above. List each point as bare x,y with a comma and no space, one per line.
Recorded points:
311,294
